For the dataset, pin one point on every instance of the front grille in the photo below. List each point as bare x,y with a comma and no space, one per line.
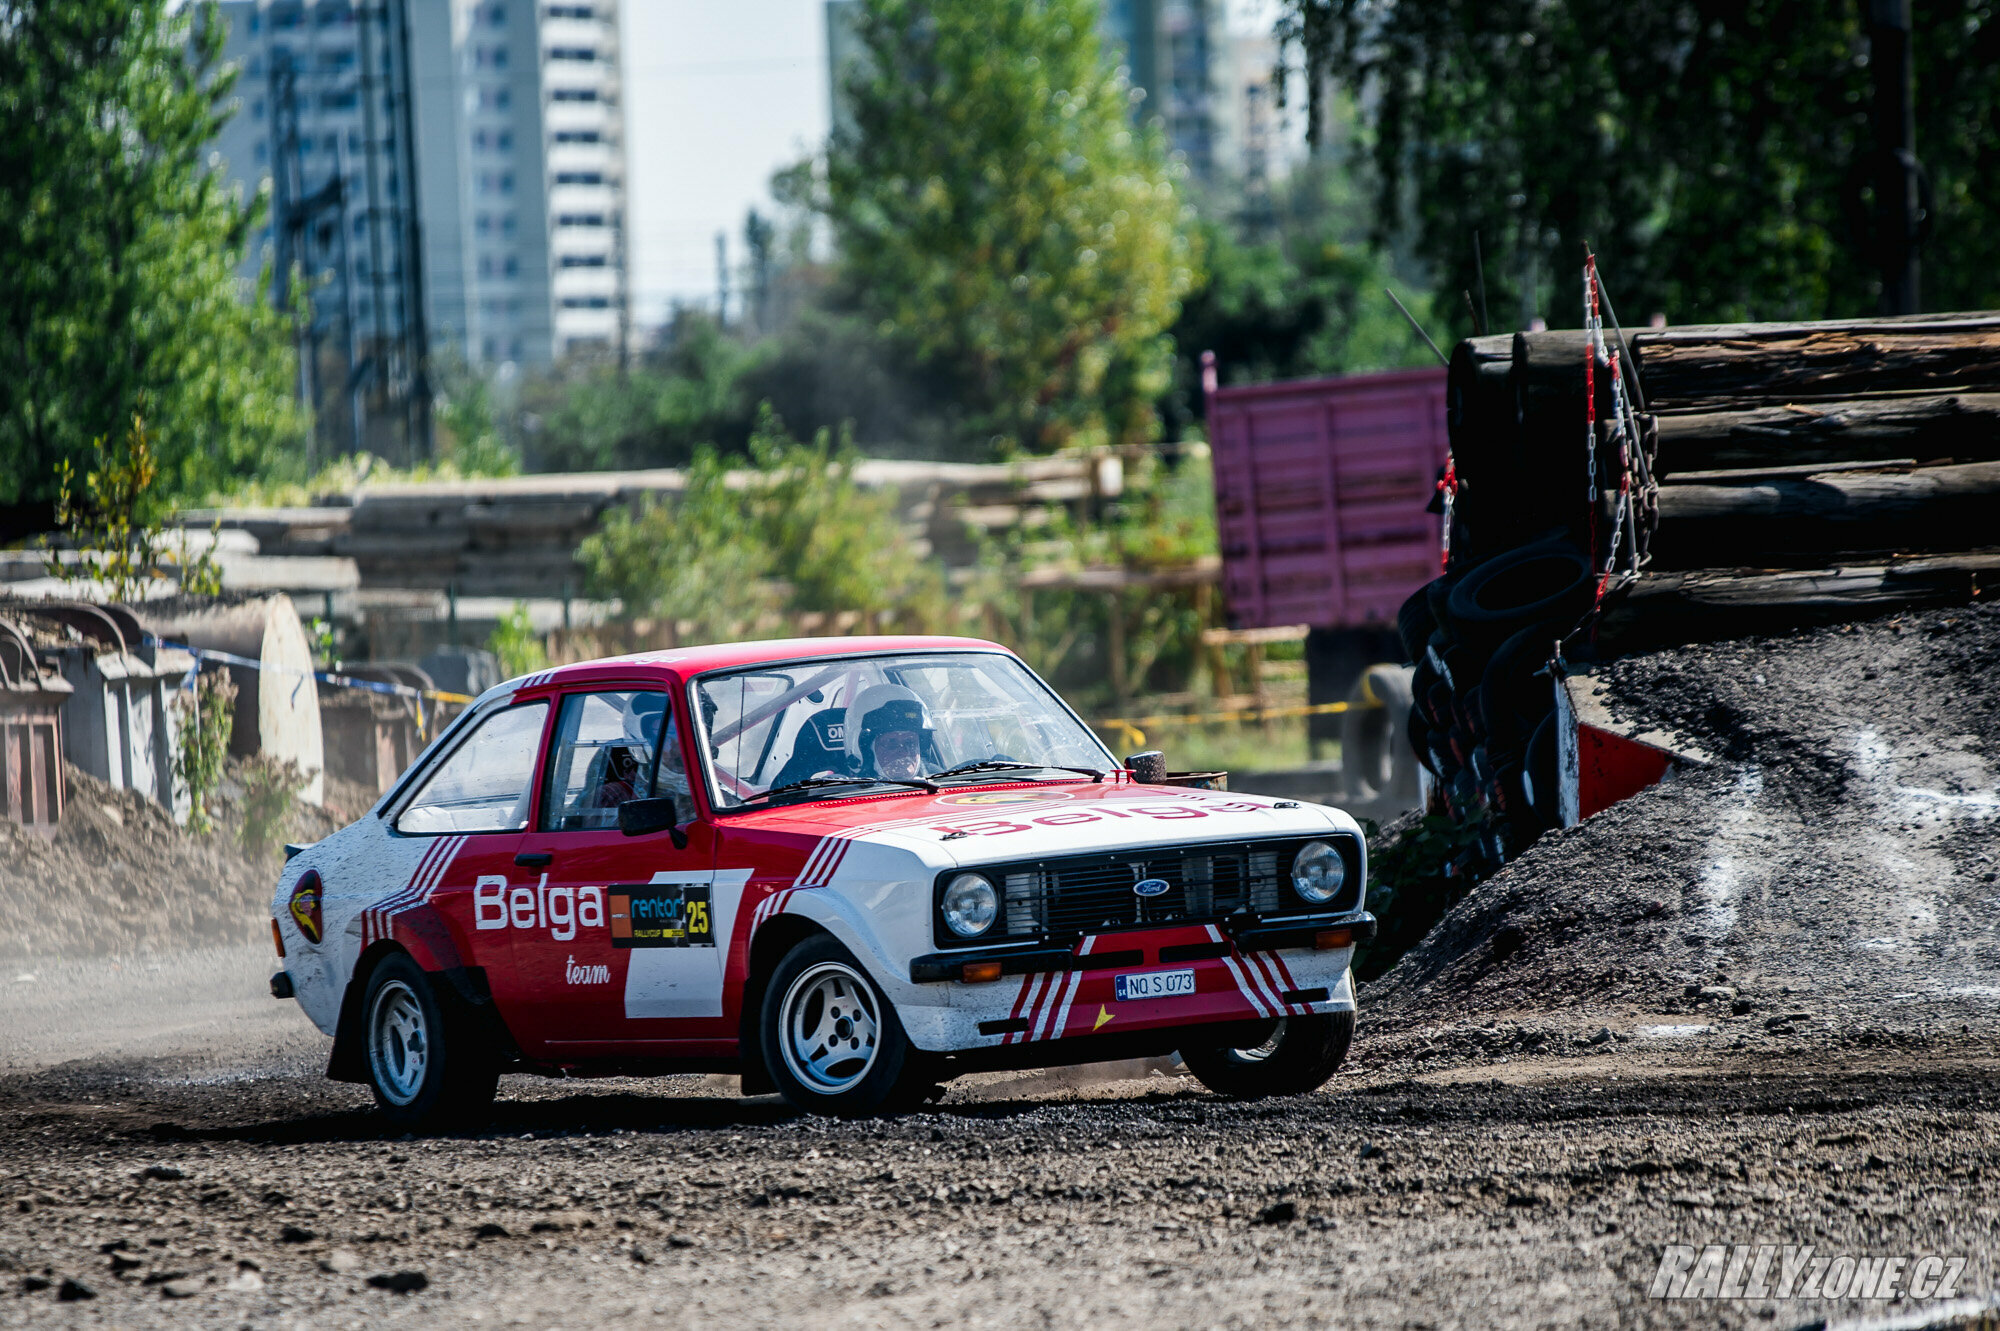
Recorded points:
1059,899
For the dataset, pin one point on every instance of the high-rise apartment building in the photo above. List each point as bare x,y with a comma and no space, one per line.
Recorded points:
1207,67
519,106
323,94
447,173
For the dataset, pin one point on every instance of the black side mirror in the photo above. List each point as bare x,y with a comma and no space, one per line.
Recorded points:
644,817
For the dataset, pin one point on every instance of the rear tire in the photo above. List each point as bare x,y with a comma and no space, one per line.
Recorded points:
427,1069
1298,1057
832,1042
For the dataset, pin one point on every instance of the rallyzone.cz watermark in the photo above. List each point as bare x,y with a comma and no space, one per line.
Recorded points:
1796,1271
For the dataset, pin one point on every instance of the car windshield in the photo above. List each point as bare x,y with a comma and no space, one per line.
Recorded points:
863,720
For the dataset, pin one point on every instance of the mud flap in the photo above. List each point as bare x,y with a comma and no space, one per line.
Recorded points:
463,994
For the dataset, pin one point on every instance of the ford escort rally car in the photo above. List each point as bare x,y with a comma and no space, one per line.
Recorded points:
846,869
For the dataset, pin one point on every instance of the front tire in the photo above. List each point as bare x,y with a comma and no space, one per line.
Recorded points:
1299,1055
832,1042
427,1071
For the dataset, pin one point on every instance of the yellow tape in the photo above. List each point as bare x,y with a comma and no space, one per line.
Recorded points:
1133,735
1131,726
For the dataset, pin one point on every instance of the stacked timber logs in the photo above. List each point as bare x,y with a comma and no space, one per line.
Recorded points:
1776,474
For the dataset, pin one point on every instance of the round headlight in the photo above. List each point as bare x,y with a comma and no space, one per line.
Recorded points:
970,905
1318,872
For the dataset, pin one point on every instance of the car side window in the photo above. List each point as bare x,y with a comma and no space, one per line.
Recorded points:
484,785
605,748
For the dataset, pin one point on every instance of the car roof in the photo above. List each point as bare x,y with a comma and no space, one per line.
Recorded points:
686,662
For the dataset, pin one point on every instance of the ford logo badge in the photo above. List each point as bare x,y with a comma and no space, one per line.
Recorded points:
1151,887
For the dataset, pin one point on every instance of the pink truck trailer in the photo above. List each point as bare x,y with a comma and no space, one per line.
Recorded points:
1322,497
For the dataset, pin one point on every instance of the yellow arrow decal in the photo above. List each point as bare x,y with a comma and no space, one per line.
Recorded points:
1102,1017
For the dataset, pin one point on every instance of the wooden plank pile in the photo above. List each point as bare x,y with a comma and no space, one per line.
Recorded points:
1771,475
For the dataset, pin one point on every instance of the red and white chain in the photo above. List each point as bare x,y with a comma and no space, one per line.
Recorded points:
1624,432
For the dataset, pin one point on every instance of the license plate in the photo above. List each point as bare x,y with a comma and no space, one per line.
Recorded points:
1155,984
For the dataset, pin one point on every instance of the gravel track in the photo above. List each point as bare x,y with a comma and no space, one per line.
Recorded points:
1755,1004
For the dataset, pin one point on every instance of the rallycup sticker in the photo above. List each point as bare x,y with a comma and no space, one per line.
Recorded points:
305,907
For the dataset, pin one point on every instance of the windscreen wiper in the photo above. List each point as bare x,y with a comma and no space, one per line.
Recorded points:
1008,764
816,782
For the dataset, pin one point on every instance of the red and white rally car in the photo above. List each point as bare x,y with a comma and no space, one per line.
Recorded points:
847,869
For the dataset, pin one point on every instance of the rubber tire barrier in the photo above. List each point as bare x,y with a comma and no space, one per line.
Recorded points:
1415,624
1417,733
1511,591
1513,698
1310,1050
1541,774
899,1079
460,1078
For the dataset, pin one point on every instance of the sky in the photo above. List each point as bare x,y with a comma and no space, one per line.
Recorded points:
718,95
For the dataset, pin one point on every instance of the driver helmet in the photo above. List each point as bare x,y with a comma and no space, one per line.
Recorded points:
880,710
643,715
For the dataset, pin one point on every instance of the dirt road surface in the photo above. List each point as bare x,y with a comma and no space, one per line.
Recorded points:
1757,1004
190,1167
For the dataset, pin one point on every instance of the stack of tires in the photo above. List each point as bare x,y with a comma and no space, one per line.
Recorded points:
1482,715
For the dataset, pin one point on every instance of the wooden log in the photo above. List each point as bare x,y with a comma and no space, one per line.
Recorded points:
1787,521
1960,426
1479,393
1708,604
1765,364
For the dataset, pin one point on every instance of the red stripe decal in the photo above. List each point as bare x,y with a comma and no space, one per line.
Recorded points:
1261,960
1042,987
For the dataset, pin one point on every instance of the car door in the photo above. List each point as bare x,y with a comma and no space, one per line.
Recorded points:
627,946
468,814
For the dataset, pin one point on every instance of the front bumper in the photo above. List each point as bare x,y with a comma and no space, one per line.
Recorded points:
1068,997
1321,934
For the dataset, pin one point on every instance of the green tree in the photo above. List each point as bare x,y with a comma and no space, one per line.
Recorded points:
998,213
119,294
1715,155
792,531
517,645
1304,298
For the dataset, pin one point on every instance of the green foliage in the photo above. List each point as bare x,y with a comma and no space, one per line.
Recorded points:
467,428
687,395
793,532
1715,155
828,369
1409,888
1166,520
115,524
1304,298
998,213
517,644
271,789
206,721
119,294
324,641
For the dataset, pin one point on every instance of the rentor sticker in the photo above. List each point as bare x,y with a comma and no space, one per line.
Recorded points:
661,915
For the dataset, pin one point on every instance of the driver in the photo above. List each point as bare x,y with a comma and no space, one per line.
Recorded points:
888,732
627,767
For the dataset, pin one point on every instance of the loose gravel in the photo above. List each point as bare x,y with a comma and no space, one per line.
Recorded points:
1755,1004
